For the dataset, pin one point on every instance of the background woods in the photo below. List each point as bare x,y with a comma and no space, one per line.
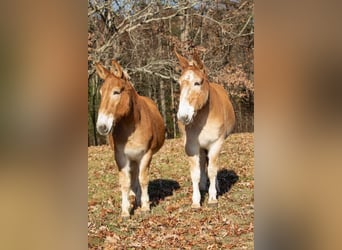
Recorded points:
141,35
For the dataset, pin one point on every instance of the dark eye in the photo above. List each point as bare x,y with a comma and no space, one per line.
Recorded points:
116,92
197,84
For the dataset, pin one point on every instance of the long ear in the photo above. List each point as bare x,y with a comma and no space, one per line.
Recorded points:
184,63
101,71
197,60
116,69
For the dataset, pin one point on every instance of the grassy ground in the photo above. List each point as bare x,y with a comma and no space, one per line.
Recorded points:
172,224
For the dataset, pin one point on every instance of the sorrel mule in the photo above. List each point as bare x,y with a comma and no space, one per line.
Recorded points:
207,118
137,131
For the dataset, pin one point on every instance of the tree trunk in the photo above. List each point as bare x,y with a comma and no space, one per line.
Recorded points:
186,25
173,109
174,125
162,100
94,110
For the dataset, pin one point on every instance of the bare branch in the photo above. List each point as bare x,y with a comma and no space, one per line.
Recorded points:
97,8
145,70
245,26
209,18
144,16
247,34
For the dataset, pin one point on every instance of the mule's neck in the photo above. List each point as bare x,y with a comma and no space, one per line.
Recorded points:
208,89
133,115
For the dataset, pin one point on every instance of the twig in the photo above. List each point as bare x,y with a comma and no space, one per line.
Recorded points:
245,26
153,73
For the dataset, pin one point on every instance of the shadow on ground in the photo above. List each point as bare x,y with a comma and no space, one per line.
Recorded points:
226,179
160,188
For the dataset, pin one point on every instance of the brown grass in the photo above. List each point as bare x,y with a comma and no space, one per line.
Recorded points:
172,224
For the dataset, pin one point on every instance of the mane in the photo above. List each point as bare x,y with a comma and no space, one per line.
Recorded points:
126,75
128,78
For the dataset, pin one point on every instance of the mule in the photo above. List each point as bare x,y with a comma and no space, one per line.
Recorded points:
136,130
206,118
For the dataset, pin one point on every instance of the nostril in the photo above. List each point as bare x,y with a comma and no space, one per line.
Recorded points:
102,128
184,118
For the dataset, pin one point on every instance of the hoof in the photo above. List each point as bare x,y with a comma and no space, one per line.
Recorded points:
125,217
195,206
145,208
141,212
213,204
144,213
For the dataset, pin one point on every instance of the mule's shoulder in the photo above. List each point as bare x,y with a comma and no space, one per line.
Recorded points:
221,103
156,122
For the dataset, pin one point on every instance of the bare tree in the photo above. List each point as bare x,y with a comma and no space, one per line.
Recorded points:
141,35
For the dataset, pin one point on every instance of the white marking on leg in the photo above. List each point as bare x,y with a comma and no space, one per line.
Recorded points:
125,184
143,179
212,170
195,177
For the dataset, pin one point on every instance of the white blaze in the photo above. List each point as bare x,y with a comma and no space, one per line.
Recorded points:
185,110
106,120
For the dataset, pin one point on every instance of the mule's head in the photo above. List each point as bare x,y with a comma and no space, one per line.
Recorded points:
115,97
194,87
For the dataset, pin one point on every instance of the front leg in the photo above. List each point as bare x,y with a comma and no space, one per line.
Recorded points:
212,171
192,149
125,185
125,182
143,180
195,177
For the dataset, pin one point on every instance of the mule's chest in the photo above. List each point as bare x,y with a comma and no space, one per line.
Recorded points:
209,134
132,148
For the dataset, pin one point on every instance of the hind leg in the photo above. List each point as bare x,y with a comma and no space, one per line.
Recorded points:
135,187
203,185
